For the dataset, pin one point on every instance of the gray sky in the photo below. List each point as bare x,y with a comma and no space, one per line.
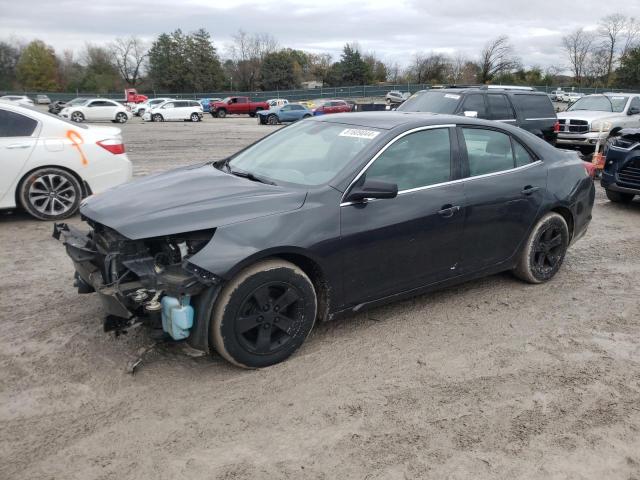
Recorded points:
395,30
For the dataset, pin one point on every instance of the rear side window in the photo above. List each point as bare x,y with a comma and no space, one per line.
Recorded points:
500,107
534,106
16,125
416,160
488,151
475,103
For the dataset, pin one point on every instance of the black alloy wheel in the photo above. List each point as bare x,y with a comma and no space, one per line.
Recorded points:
548,250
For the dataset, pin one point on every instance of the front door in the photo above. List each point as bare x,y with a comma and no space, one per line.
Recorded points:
503,195
398,244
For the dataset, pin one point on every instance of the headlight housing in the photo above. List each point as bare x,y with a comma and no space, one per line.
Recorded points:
598,125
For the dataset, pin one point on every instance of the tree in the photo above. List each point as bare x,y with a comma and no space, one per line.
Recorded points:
247,52
496,58
577,45
628,75
352,69
610,29
430,68
100,73
319,66
36,69
129,55
377,69
9,56
202,64
278,71
70,72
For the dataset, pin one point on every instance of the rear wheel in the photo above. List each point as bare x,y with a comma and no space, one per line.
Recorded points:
619,197
195,117
544,250
264,314
50,194
157,118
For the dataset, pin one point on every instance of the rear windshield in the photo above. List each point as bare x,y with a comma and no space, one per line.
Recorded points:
534,106
433,102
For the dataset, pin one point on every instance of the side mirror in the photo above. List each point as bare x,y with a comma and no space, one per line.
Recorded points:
373,189
633,111
471,113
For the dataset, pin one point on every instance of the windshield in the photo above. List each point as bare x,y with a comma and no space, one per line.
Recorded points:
76,101
600,103
226,99
306,153
434,102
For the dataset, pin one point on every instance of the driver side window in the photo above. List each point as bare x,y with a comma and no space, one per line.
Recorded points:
417,160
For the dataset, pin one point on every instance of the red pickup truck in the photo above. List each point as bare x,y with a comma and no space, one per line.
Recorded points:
131,95
236,106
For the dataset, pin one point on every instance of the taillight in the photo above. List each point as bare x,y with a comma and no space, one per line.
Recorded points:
112,145
556,127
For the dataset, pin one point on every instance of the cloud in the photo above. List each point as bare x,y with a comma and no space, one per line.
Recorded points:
394,30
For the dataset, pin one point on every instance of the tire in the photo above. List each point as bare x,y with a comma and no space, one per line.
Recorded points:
121,118
157,118
544,250
50,194
249,302
619,197
214,114
272,119
221,113
252,114
140,112
306,115
77,117
195,117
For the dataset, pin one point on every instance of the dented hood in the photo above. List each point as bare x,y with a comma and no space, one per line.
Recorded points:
187,199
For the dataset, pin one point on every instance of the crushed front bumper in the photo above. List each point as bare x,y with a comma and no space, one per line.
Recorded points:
128,280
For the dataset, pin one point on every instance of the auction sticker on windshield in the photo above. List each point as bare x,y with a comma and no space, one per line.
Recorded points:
359,133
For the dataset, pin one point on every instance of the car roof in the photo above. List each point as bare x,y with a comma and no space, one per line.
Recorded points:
386,120
493,89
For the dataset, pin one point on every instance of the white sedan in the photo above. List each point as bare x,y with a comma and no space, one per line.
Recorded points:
96,109
49,164
19,99
175,110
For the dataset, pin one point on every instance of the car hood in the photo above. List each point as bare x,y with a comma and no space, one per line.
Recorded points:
588,115
187,199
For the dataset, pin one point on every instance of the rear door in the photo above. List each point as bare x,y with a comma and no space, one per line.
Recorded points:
504,190
18,137
412,240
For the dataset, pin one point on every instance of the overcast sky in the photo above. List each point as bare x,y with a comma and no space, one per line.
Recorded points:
394,29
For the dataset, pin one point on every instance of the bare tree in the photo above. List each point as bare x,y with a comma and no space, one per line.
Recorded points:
497,57
610,29
457,68
630,36
247,52
577,45
129,55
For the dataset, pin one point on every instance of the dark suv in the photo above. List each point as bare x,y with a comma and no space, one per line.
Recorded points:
621,174
524,108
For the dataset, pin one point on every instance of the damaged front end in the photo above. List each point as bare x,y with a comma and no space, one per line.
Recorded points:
149,280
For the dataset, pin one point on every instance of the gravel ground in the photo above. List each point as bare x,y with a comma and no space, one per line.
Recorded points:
492,379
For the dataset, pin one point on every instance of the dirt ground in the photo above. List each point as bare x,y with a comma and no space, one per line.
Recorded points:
492,379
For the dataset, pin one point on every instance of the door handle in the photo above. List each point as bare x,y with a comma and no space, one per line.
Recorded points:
529,189
14,146
448,210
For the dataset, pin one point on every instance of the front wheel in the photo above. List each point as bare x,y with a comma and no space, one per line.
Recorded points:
264,314
544,250
77,117
619,197
121,117
157,118
221,113
272,120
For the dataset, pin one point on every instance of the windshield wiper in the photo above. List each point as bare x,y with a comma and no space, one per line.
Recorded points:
249,175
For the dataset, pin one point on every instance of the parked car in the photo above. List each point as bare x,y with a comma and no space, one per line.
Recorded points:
206,103
396,97
556,95
621,174
19,99
43,100
139,108
56,107
291,112
328,216
175,110
94,110
571,97
277,102
331,106
50,164
527,109
237,106
581,123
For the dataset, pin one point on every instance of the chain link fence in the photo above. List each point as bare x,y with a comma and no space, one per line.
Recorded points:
349,92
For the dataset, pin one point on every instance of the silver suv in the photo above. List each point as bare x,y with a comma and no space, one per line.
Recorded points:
581,124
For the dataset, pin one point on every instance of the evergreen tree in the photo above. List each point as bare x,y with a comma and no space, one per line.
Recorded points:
278,71
628,75
353,69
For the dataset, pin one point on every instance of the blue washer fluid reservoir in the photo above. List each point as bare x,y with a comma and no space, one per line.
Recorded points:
177,316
